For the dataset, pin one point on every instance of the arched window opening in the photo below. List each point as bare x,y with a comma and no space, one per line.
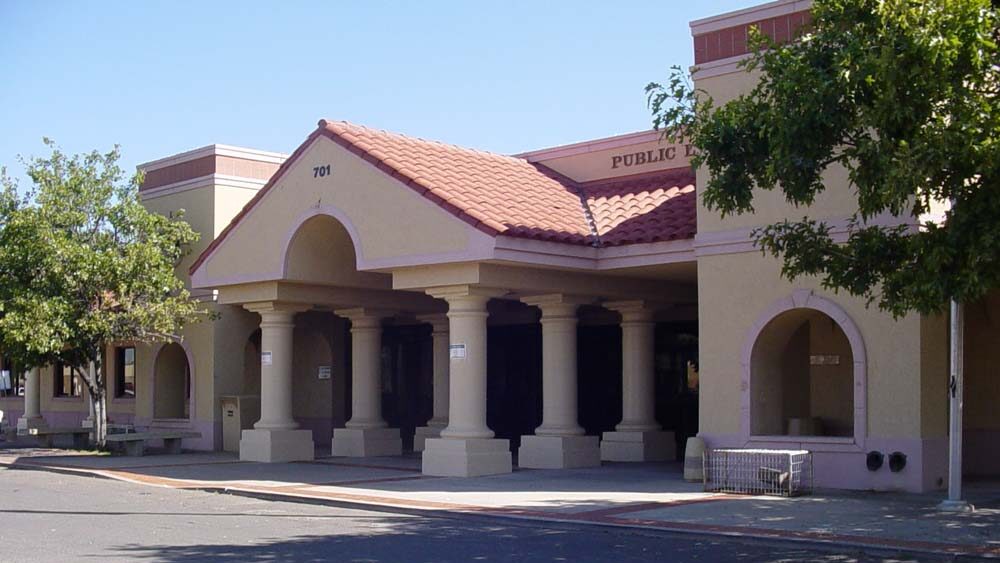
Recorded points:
802,377
172,379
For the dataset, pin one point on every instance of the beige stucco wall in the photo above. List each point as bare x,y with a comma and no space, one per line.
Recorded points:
622,161
726,316
199,212
368,198
836,202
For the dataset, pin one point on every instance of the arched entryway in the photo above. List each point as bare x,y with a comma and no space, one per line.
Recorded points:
804,372
172,383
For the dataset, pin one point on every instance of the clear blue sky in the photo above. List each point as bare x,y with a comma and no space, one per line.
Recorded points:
161,77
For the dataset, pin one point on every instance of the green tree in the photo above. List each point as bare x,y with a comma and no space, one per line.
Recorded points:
905,96
85,265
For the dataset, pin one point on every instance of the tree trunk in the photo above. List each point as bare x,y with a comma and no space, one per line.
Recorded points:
97,387
100,420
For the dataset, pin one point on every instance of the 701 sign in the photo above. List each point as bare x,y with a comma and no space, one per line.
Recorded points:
321,171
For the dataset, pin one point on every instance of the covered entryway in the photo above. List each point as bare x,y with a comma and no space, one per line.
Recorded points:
387,272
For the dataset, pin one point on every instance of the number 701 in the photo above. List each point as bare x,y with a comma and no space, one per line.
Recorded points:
321,171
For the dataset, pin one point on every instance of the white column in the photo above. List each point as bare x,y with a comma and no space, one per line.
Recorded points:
638,436
367,433
32,417
559,442
466,447
439,338
276,437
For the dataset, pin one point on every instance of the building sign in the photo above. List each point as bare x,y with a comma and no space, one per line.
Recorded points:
651,156
824,360
456,351
265,358
324,372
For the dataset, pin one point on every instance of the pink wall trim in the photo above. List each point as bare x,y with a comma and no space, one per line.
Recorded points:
806,299
926,464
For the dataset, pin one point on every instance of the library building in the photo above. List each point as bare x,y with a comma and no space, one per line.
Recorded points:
383,295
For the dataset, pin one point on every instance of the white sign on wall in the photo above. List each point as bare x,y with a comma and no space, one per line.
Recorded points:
265,358
324,372
457,351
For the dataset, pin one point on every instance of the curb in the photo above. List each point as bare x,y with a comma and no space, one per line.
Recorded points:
877,546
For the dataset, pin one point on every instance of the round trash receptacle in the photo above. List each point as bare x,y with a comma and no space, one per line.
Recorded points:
693,469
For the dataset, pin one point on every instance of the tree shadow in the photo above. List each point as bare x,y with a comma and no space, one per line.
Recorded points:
419,540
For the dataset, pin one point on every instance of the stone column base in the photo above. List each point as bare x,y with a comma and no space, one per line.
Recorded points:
366,442
466,457
25,424
558,452
651,445
422,434
276,446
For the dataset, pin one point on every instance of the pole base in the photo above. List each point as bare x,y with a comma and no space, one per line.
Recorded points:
558,452
949,505
466,457
276,446
366,442
651,445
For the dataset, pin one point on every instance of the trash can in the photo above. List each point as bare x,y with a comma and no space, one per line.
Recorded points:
239,413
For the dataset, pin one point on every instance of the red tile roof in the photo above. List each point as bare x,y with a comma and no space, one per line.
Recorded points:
648,208
508,195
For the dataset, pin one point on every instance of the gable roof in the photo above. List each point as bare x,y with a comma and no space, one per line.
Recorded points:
508,195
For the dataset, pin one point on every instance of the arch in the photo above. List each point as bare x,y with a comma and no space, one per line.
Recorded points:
806,300
173,382
318,211
322,248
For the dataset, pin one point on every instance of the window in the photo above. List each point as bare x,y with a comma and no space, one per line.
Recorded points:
65,384
125,372
11,379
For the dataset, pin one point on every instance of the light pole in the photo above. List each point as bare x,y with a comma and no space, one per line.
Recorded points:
954,502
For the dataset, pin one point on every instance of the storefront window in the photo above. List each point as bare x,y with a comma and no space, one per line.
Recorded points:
125,372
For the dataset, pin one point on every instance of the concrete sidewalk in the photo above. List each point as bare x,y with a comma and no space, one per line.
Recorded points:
649,496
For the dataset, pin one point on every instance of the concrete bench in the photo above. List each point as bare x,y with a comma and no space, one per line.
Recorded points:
135,442
81,436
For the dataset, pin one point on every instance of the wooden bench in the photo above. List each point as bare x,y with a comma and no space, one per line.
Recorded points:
135,442
81,436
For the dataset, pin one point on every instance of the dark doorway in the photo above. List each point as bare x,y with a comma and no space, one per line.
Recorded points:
676,362
407,378
514,380
599,364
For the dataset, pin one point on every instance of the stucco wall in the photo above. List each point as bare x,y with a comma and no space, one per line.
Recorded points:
726,316
836,202
368,200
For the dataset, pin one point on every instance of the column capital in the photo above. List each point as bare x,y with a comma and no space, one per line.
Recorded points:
364,315
638,310
262,307
438,322
557,305
458,293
